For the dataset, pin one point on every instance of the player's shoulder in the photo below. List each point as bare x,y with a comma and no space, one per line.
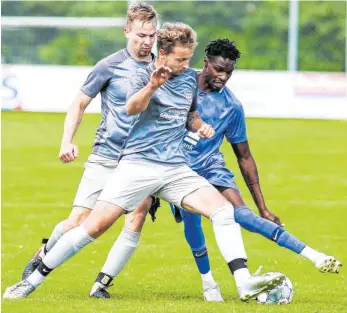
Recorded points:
232,100
114,59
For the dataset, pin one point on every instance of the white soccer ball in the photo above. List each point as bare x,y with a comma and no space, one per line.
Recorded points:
283,294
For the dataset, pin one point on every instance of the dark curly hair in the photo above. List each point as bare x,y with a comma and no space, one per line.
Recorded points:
222,48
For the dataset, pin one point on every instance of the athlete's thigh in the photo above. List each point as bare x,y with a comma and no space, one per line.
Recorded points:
130,184
97,171
185,188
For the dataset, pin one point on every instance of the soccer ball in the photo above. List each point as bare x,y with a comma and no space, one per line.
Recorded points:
283,294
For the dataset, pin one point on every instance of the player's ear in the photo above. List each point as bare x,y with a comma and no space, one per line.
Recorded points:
126,32
162,52
205,61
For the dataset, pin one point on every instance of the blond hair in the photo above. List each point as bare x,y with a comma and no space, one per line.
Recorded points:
141,11
176,34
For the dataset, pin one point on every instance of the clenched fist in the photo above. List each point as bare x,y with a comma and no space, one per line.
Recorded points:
68,152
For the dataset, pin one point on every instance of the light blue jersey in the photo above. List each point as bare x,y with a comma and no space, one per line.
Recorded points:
225,114
156,134
111,77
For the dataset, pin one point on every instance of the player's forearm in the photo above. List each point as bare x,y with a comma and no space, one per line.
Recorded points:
138,102
72,120
194,122
250,175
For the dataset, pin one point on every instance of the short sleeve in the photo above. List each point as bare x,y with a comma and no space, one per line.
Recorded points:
236,131
97,79
138,81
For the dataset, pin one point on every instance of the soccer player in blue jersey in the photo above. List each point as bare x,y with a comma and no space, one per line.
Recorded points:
219,107
111,78
162,98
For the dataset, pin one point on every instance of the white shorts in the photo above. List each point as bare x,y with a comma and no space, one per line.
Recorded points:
133,181
97,171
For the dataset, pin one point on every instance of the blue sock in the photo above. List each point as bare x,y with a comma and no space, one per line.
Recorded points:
256,224
196,240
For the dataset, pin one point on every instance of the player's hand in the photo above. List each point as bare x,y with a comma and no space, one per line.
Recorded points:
206,131
271,217
160,76
68,152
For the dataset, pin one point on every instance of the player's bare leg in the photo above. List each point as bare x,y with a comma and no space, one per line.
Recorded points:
76,218
210,203
254,223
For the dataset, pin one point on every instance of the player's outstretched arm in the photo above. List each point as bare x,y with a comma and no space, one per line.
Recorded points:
250,175
138,102
69,151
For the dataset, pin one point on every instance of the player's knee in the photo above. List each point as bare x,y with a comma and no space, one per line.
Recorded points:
134,221
76,218
224,215
244,216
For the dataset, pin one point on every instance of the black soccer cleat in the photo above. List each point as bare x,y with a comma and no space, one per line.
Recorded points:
34,262
154,207
100,293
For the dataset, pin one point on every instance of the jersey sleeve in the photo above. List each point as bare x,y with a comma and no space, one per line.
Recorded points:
138,81
97,79
236,131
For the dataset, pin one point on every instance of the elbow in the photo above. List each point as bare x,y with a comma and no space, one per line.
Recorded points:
130,109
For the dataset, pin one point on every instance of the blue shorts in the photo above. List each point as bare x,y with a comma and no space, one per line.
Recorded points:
221,178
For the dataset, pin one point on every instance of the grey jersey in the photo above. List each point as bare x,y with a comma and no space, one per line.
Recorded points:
111,77
156,134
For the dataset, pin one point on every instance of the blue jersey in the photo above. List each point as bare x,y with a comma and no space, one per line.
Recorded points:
111,77
225,114
156,134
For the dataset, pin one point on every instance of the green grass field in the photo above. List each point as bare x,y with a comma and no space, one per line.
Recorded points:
303,172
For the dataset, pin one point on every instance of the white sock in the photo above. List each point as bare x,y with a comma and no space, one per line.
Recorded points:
311,254
208,280
229,240
228,234
58,231
241,276
121,251
68,245
35,278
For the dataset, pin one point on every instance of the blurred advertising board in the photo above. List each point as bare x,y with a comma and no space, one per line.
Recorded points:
274,94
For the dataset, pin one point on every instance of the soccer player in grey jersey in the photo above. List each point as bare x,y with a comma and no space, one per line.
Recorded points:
163,108
111,77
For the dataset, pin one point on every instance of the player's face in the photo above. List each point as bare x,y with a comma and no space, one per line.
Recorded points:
217,72
141,37
178,59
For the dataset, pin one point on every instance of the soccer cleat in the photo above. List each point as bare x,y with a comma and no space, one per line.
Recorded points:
327,264
212,294
19,290
33,264
255,285
99,291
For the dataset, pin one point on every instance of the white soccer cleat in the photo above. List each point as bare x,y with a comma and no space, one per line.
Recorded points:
255,285
19,290
212,294
327,264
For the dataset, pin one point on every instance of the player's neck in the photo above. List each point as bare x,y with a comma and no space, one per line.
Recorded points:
134,55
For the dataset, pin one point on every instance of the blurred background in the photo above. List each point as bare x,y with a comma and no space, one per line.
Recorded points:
273,36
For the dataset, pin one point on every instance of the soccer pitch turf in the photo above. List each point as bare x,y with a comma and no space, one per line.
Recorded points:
303,174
